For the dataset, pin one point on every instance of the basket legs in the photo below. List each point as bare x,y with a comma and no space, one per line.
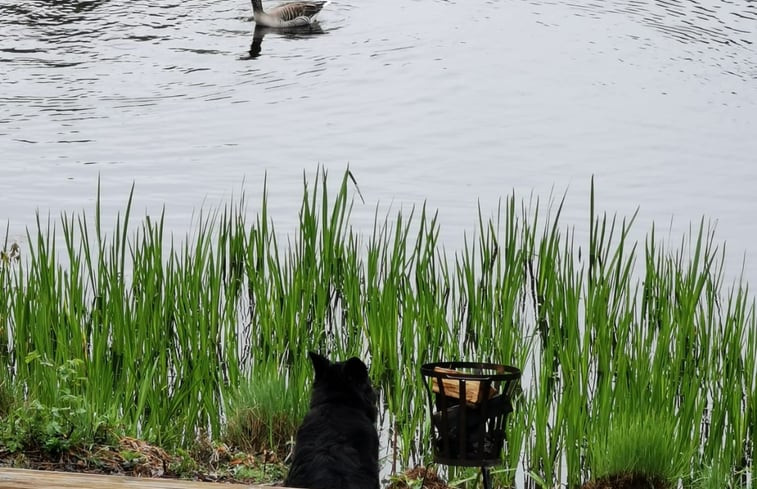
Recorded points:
486,477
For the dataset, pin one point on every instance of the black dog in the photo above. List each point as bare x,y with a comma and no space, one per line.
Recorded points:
337,443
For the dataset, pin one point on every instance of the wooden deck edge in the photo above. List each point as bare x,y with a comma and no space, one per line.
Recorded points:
43,479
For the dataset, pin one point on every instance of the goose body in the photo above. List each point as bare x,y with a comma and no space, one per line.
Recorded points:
290,14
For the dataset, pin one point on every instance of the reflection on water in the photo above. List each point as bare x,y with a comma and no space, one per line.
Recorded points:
260,32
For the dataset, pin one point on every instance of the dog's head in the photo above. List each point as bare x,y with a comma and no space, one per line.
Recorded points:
344,383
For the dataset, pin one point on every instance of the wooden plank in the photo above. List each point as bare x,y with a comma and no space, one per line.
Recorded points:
43,479
473,394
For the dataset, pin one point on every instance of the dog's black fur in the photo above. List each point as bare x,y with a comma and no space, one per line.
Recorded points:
337,444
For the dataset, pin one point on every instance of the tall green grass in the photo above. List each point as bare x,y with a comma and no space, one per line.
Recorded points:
168,330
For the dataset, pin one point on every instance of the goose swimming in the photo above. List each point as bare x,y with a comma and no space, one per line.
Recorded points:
291,14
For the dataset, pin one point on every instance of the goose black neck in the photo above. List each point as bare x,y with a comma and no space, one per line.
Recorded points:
257,6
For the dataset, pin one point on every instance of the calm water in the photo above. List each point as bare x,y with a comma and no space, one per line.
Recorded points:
452,102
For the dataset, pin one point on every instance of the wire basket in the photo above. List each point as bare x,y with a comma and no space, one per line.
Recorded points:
469,403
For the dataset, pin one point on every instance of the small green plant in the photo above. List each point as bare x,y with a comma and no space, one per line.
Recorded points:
54,429
264,473
402,481
38,427
130,456
184,465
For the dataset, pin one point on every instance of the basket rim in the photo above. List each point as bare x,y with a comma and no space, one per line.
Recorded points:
510,372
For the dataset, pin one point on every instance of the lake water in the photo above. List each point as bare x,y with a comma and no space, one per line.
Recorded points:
448,102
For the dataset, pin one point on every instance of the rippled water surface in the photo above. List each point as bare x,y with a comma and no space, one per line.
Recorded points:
451,102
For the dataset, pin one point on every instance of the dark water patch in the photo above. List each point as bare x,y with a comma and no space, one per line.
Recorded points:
21,50
59,110
146,38
199,51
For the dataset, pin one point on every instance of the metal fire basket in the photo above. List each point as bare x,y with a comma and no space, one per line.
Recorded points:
469,403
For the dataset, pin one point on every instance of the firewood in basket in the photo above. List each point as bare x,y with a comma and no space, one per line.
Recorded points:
473,388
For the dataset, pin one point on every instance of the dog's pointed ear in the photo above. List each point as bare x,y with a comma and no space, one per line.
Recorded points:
320,363
356,370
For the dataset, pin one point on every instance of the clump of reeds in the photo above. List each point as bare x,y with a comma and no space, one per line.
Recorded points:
642,444
264,412
167,329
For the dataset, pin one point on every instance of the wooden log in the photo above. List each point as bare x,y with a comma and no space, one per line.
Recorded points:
44,479
473,388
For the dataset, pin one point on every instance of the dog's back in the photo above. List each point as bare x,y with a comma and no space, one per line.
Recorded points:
337,444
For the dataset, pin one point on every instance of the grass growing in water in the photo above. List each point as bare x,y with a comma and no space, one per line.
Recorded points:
166,330
642,443
266,410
